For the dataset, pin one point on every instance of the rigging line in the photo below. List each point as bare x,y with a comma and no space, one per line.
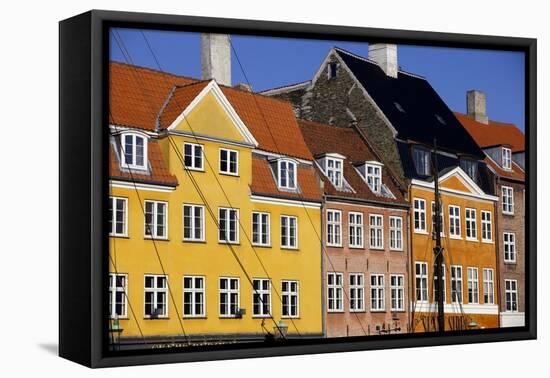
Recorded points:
299,194
128,58
114,263
153,240
221,187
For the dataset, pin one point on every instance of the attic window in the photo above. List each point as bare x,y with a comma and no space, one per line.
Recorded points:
399,107
286,173
334,171
506,158
133,151
373,174
470,167
440,119
422,161
332,70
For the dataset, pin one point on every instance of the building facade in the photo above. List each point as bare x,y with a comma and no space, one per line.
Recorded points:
212,209
365,217
412,129
504,147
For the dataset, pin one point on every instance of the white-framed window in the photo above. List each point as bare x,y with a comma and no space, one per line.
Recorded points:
486,226
193,222
511,293
287,174
229,296
435,283
456,284
377,296
473,285
471,224
289,232
454,221
229,162
470,167
506,158
334,171
397,292
441,219
396,233
193,156
356,292
355,229
419,215
421,281
156,215
422,161
261,297
488,286
193,296
228,221
334,228
290,299
118,295
376,227
134,151
261,229
118,216
507,200
374,177
156,296
335,291
509,239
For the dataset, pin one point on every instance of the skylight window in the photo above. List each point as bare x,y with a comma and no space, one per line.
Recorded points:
399,107
422,161
440,119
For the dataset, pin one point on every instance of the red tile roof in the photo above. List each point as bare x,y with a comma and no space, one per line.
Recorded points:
322,139
137,96
158,170
494,133
263,182
515,174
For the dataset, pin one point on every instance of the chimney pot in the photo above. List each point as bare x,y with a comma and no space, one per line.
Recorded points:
476,104
216,58
385,55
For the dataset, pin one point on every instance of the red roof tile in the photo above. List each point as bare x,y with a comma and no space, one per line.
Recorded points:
493,133
263,182
515,174
322,139
159,173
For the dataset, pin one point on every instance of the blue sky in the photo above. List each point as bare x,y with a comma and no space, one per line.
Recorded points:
272,62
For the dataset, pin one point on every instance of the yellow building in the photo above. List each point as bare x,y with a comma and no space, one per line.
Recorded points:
214,207
470,260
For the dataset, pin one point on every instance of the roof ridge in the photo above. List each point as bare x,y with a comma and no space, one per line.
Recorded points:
368,60
494,122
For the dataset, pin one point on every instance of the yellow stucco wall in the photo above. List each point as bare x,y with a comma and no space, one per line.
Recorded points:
466,253
136,255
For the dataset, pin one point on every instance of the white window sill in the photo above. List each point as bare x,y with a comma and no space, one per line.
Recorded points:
118,235
229,174
261,245
357,311
155,238
421,232
396,250
472,240
455,237
334,245
335,311
377,248
487,241
507,213
356,247
194,169
194,240
511,262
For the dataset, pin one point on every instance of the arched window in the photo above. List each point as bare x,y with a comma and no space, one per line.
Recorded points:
133,151
287,174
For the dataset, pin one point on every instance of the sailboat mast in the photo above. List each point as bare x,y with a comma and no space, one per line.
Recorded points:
438,250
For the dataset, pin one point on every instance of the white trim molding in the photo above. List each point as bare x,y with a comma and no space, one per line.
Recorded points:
141,186
284,202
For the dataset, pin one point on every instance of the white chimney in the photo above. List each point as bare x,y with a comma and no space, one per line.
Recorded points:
216,58
476,104
385,55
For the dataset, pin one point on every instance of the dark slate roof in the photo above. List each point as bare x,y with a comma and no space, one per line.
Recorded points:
412,106
444,163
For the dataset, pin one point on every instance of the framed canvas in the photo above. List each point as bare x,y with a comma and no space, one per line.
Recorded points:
235,188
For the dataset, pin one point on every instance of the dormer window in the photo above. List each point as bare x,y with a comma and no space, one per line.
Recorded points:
286,173
334,171
470,167
373,175
422,161
134,151
506,158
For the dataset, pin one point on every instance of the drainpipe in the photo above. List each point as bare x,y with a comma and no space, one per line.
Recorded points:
412,297
323,304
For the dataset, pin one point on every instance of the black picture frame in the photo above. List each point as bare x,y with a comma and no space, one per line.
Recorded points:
83,182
